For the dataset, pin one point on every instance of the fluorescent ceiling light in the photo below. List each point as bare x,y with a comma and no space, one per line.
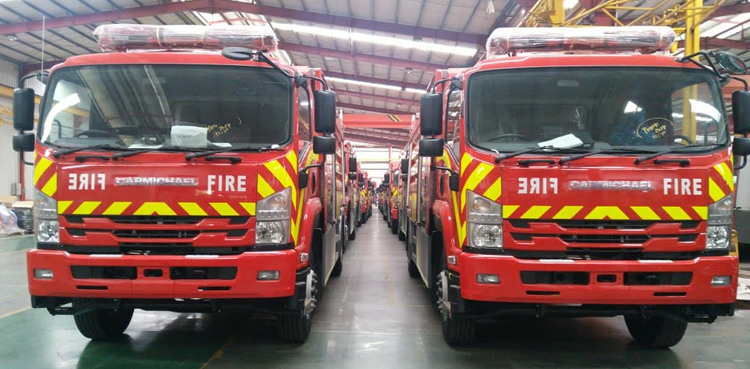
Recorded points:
374,85
375,39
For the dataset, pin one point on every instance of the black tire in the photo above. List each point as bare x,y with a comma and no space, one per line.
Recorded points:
101,324
338,267
294,328
413,271
401,236
656,331
394,226
353,235
456,330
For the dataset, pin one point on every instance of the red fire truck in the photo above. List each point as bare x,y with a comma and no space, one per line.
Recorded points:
579,172
391,182
185,170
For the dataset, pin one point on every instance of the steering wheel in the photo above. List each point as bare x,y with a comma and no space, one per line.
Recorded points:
683,138
95,133
509,135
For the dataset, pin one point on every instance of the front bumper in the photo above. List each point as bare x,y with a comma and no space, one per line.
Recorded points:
612,289
148,283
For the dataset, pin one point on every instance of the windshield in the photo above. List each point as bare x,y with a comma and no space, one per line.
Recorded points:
643,108
152,106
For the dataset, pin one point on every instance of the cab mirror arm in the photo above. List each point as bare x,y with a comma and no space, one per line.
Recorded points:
453,180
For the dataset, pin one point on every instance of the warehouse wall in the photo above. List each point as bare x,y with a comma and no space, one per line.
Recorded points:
9,167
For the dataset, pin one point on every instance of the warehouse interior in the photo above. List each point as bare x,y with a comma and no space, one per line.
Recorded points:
379,57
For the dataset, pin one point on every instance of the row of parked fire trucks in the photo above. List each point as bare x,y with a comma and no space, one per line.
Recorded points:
567,174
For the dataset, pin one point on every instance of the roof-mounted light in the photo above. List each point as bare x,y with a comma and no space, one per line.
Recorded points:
646,39
121,37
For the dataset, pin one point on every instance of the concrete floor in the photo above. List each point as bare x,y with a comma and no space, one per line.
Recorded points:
373,316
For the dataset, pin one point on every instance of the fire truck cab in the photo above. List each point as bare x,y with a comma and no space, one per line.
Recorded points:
578,172
184,169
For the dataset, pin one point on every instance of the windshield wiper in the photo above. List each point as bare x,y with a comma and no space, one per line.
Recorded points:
509,155
189,157
669,151
60,153
137,152
602,151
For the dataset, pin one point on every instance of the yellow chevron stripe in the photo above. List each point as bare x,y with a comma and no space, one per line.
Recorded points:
283,177
714,191
249,207
291,156
611,212
726,173
50,188
508,210
62,206
117,208
86,208
192,208
702,211
264,189
645,213
480,172
676,212
151,208
40,168
535,212
567,212
465,161
495,190
224,209
447,159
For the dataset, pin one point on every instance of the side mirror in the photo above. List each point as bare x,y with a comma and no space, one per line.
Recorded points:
387,178
431,147
404,165
325,111
303,179
730,63
23,109
431,110
352,176
404,176
361,179
324,145
23,142
741,111
352,164
453,182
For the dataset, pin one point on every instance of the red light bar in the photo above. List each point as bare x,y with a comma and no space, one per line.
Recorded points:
646,39
121,37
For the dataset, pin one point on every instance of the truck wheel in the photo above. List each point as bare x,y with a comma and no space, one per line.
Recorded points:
456,330
338,267
655,331
294,328
401,236
353,235
413,271
394,226
101,324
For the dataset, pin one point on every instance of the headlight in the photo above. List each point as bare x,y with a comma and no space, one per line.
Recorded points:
272,218
485,221
718,232
45,218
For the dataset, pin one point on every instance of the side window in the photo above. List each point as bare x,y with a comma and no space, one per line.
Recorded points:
303,114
